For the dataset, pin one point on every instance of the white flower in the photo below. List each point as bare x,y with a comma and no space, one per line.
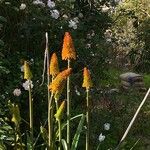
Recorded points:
22,6
26,85
55,13
22,68
101,137
88,45
17,92
38,2
76,19
107,126
72,24
65,16
50,4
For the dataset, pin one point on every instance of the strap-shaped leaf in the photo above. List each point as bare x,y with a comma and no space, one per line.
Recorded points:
77,134
64,144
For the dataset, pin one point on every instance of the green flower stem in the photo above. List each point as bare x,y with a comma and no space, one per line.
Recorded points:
50,119
87,120
68,109
31,114
59,126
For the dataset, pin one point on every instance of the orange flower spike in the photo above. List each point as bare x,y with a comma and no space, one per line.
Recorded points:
58,82
54,68
87,82
64,74
27,71
68,50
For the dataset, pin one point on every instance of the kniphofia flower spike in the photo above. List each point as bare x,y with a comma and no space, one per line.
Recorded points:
58,82
27,71
87,82
54,68
68,50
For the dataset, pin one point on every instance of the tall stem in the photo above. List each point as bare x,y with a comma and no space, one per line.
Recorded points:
87,119
31,114
50,109
68,109
50,123
59,126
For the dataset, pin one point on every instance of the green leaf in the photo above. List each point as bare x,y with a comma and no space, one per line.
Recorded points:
64,144
77,134
65,124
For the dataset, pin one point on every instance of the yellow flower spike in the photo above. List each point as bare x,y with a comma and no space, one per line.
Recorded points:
15,114
68,50
87,82
60,111
54,68
57,83
27,71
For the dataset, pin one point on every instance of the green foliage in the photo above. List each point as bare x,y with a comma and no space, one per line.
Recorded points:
130,35
147,80
77,134
6,133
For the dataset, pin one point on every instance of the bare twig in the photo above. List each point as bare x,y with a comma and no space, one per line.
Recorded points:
133,119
